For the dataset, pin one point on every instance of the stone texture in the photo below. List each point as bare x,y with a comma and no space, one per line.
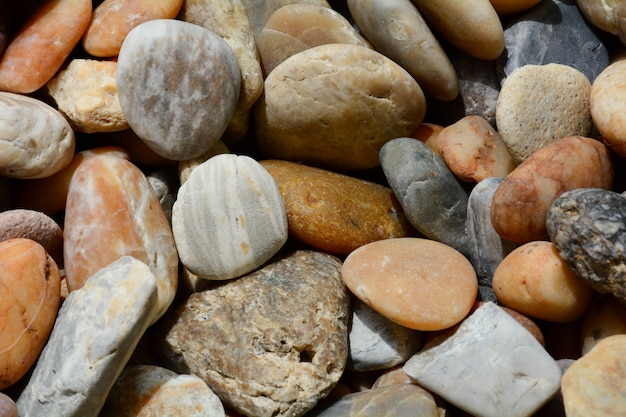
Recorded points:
418,283
522,319
431,197
180,106
404,36
490,366
30,291
528,121
272,343
608,16
35,139
229,218
429,134
96,331
339,105
333,212
521,202
608,92
605,317
152,391
588,228
34,225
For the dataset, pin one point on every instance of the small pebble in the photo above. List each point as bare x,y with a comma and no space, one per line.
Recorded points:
607,92
33,225
605,317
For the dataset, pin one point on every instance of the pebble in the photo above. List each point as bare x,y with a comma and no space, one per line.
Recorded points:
418,283
33,225
30,292
286,325
111,21
605,317
39,48
522,319
429,134
229,218
96,331
36,142
605,16
186,167
178,102
529,121
607,91
490,366
8,408
259,12
342,103
522,200
333,212
165,184
510,7
433,200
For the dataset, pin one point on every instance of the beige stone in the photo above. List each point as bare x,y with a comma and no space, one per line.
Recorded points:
608,15
605,317
259,11
186,167
607,97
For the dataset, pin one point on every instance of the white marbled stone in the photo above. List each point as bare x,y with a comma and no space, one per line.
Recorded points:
97,330
490,367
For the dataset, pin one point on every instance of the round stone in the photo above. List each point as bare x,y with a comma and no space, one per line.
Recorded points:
33,225
607,97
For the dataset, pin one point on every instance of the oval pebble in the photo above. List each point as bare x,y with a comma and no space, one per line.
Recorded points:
33,225
418,283
8,408
608,91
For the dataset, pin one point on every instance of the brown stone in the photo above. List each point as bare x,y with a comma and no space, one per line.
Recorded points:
605,317
509,7
33,225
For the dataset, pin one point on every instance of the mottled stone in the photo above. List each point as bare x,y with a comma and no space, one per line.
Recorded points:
608,92
588,227
336,213
8,408
229,218
95,333
272,343
490,366
432,199
34,225
528,121
609,16
178,85
165,184
152,391
335,105
391,377
605,317
35,139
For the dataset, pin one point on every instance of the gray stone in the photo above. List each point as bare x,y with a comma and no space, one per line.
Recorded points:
271,343
96,331
588,227
433,200
491,366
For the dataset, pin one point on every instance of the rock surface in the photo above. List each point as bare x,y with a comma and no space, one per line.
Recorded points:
605,15
34,225
607,92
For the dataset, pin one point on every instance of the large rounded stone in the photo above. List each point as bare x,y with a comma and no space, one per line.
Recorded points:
178,85
610,16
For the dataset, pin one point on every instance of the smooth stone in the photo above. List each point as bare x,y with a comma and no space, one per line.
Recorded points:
86,93
555,407
594,384
605,317
490,366
510,7
111,21
178,102
272,343
8,408
607,92
30,292
341,105
522,319
521,202
229,218
333,212
418,283
429,134
392,376
139,153
113,211
39,48
36,140
432,199
608,16
165,184
404,36
378,343
587,226
153,391
474,27
96,331
534,280
529,121
552,32
33,225
259,11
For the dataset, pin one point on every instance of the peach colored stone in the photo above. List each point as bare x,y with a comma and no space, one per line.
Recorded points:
113,19
418,283
608,93
42,44
30,293
605,317
429,134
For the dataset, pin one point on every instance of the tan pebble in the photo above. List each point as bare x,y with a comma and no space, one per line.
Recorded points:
608,93
509,7
429,134
8,408
33,225
606,15
418,283
392,376
605,317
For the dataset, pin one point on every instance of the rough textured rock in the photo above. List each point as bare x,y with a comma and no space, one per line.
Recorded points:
605,317
178,85
93,337
608,91
271,343
608,16
34,225
229,218
490,366
430,195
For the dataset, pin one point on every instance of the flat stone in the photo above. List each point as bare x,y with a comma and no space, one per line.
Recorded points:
95,333
34,225
179,102
430,195
490,366
272,343
607,91
605,317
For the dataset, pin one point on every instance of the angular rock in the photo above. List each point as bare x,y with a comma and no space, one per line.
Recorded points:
34,225
94,335
272,343
490,366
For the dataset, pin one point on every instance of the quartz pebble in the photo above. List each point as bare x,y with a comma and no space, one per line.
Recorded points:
605,317
33,225
8,408
607,16
607,92
522,319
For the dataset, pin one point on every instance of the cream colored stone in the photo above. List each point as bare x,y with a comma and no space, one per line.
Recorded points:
607,98
185,167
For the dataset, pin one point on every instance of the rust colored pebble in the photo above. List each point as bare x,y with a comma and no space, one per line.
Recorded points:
30,288
34,225
42,44
418,283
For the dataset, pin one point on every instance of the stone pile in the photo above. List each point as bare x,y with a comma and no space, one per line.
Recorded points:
312,208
